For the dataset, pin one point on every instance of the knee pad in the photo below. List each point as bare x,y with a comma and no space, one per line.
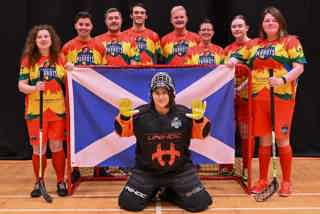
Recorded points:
130,201
197,202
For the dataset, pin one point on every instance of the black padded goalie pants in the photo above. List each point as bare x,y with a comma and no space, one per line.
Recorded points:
183,189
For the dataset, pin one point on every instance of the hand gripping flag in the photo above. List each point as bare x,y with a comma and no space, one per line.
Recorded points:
94,94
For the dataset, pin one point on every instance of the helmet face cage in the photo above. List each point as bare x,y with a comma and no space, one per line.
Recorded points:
162,79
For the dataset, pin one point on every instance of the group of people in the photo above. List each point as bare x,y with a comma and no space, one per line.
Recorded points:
138,45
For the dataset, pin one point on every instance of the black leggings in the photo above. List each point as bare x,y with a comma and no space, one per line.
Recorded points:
183,189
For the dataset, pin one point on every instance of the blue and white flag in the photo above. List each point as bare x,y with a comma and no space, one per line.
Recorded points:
94,94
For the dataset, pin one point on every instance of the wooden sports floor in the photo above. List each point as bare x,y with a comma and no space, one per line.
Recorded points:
16,182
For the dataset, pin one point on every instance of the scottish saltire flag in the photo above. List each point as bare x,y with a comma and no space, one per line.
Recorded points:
94,94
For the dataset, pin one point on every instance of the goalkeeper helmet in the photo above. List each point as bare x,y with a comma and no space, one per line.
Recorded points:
163,79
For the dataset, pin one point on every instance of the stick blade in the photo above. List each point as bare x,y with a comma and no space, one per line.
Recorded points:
268,191
44,192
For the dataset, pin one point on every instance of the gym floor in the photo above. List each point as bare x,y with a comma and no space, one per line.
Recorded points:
16,182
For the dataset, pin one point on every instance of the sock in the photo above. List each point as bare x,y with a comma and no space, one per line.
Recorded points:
264,160
285,154
245,154
58,162
35,163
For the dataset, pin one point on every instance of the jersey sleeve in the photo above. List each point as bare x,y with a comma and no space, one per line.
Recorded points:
221,56
124,128
154,46
191,59
295,50
24,70
64,50
201,129
243,54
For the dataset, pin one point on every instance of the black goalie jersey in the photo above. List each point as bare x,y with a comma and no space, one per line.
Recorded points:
162,140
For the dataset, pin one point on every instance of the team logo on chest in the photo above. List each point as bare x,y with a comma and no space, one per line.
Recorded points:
206,58
160,153
180,48
141,43
114,48
176,123
264,53
85,57
49,72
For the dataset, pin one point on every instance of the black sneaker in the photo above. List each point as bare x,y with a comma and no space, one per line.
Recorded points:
62,189
75,175
36,191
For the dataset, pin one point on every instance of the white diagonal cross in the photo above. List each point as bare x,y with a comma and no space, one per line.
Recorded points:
111,144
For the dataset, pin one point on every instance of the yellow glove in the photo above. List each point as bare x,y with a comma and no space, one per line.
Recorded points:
198,108
125,107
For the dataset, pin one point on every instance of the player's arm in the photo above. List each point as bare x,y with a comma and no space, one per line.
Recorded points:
123,123
25,88
123,126
201,126
23,83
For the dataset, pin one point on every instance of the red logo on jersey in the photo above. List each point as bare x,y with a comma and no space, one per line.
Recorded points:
172,152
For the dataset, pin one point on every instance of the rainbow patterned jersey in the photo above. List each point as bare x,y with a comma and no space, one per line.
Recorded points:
118,49
147,43
174,47
81,52
202,55
231,49
278,55
53,97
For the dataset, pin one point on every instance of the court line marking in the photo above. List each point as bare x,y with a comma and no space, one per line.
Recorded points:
158,207
115,195
163,209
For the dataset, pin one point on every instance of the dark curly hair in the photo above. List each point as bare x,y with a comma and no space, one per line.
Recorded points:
31,50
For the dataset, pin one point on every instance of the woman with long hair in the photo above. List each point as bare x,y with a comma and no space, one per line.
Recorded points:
41,55
277,51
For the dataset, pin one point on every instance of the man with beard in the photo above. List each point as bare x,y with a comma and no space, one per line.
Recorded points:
117,45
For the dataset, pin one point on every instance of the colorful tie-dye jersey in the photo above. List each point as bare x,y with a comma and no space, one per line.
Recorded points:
174,47
262,55
228,51
118,49
81,52
231,49
147,44
53,97
200,55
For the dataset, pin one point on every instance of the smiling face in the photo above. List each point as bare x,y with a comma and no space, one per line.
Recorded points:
139,15
114,21
179,19
270,26
83,27
43,40
239,29
206,32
